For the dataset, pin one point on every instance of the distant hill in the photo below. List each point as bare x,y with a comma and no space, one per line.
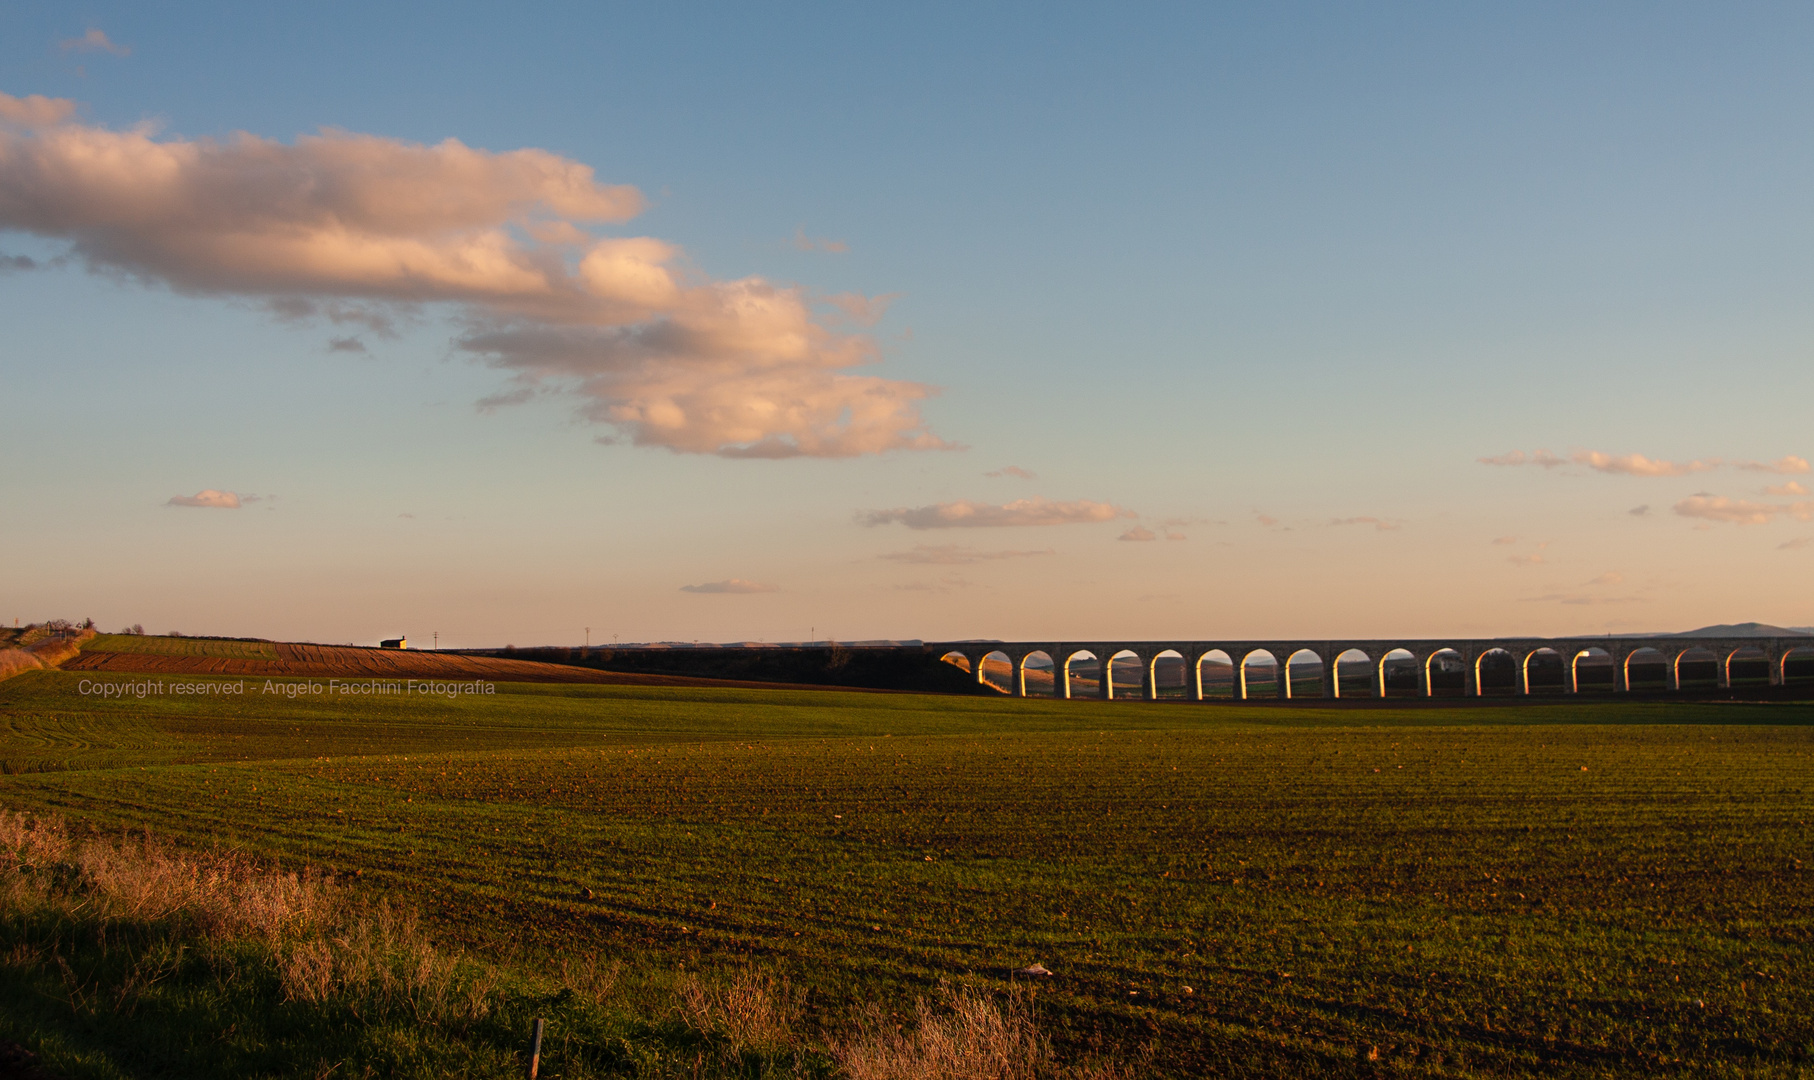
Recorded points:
1748,629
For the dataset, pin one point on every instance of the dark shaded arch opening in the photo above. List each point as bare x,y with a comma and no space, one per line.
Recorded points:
1037,674
1354,675
1217,673
1798,665
1591,671
1545,672
1496,673
1447,673
1399,676
1748,666
1697,669
1647,669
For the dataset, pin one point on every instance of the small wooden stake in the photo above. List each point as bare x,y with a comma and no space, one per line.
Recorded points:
535,1050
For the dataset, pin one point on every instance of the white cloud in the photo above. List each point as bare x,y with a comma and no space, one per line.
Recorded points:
1741,511
731,585
95,40
1014,471
1138,533
209,498
955,555
1020,512
361,227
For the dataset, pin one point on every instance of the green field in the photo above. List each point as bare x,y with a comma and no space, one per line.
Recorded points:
181,646
1577,888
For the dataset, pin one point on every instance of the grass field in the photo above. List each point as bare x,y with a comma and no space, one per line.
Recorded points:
1580,888
181,646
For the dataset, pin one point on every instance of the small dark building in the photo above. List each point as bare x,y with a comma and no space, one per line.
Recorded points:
394,643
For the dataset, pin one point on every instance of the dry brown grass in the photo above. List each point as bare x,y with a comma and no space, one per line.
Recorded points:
323,946
753,1010
967,1035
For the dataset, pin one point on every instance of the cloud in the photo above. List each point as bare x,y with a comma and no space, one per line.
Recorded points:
346,344
17,262
966,514
1504,541
94,41
1639,465
1138,533
1786,465
35,112
1013,470
1174,535
955,555
1377,523
1639,511
862,310
1611,577
1798,542
360,227
1789,488
1266,520
1525,560
1580,600
1741,511
1519,457
207,497
803,242
731,585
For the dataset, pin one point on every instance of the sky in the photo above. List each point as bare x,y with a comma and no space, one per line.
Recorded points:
589,322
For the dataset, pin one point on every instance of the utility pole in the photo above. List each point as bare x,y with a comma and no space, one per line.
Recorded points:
437,641
588,637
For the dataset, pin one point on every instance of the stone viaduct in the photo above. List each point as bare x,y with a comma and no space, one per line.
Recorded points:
1430,656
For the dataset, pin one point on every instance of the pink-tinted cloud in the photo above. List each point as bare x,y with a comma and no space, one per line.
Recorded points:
1785,465
731,585
1611,577
1786,489
1741,511
1379,524
207,498
1518,457
95,40
1014,471
955,555
1020,512
862,310
1639,465
1138,533
371,227
803,242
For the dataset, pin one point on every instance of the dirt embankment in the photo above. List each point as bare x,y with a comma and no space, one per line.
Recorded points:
346,662
47,652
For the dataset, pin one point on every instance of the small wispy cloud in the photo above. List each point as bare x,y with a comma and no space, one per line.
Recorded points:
9,263
1504,541
731,585
1611,577
1639,511
1379,524
862,310
942,585
1791,487
1266,520
1639,465
346,345
1014,471
207,498
955,555
1525,560
95,40
1021,512
803,242
1741,511
1798,542
1138,532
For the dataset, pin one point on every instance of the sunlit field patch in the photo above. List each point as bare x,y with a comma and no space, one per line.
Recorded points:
1589,889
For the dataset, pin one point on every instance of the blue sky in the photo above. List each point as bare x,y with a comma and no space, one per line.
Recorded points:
1243,272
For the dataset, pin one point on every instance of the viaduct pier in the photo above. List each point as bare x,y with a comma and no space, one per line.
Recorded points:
1433,657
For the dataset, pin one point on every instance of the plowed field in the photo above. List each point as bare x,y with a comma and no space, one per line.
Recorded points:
285,659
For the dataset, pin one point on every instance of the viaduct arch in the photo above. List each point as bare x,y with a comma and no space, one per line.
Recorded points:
1428,654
